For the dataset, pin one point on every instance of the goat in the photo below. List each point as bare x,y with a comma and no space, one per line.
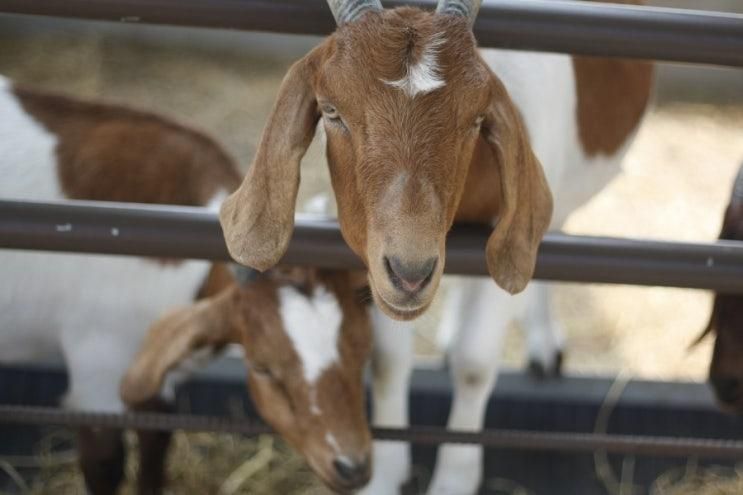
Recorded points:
305,379
424,129
726,319
306,337
96,309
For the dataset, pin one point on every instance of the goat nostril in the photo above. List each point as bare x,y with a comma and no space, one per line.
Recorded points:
727,389
410,277
350,471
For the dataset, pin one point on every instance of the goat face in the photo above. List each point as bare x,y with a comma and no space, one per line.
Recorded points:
306,339
307,380
409,109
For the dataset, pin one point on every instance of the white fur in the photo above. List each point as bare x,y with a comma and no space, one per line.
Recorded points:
477,312
313,325
392,365
28,165
423,76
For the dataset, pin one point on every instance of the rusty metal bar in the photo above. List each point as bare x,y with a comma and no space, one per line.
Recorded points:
425,435
181,232
542,25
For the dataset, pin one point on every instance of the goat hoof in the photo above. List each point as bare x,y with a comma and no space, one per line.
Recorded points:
542,371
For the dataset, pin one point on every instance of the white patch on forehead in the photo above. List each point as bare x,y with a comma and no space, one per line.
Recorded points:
423,76
313,325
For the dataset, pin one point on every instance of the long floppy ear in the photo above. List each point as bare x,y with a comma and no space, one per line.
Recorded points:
204,325
526,201
258,218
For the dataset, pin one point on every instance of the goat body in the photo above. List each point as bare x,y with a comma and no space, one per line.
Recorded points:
95,309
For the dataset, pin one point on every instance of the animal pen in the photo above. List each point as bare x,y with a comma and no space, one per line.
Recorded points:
542,435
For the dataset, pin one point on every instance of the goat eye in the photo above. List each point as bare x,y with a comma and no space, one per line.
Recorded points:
261,371
330,111
332,116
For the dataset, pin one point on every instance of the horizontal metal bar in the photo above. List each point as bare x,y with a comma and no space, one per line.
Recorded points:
182,232
425,435
541,25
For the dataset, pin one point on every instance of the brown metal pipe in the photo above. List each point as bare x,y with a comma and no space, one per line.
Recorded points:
181,232
424,435
541,25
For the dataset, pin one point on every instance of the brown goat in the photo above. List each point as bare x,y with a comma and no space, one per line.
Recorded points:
401,148
424,129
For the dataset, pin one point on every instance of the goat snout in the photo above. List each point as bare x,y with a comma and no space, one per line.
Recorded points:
352,472
727,389
410,277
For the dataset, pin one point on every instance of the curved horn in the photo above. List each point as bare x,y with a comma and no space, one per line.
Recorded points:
464,8
346,11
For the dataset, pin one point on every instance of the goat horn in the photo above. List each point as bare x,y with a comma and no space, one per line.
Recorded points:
464,8
346,11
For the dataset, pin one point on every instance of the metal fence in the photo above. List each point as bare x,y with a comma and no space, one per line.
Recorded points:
591,29
543,25
182,232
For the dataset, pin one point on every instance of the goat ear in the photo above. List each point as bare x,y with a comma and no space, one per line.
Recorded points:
172,339
526,202
258,218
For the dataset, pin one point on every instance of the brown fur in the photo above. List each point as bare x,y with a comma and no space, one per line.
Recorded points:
101,455
218,279
603,125
249,315
426,144
112,153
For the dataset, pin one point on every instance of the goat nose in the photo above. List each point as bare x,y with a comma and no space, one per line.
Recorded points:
727,389
410,277
352,472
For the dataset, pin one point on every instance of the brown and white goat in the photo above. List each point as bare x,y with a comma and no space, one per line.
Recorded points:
95,310
306,337
423,129
726,320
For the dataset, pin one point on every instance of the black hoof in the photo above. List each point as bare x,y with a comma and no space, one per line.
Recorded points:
538,371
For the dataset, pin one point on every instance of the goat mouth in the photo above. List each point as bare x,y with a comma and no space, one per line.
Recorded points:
339,486
397,311
393,310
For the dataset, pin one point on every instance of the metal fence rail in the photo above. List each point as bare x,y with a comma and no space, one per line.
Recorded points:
542,25
180,232
425,435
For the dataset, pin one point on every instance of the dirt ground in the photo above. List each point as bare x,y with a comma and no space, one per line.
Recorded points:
675,184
